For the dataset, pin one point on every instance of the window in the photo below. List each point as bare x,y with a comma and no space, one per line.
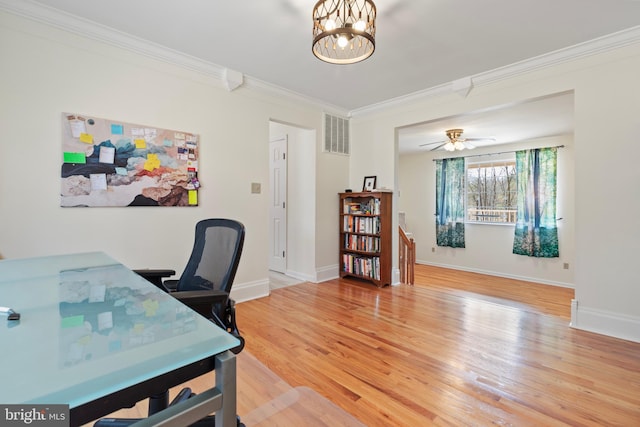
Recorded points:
491,191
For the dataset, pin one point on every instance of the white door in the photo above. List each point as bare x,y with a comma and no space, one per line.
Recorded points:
278,208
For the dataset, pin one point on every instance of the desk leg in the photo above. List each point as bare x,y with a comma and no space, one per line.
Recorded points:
221,399
226,383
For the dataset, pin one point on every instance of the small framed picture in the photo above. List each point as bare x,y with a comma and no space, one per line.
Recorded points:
369,183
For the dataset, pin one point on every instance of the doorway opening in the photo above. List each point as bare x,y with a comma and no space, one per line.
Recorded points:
292,157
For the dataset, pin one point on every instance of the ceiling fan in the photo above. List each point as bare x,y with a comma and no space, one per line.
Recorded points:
455,141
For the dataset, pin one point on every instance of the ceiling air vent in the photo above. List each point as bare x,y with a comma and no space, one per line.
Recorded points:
336,134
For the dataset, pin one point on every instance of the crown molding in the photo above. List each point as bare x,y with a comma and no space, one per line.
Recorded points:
102,33
271,89
602,44
593,47
95,31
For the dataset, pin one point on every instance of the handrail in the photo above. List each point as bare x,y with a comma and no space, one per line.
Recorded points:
407,257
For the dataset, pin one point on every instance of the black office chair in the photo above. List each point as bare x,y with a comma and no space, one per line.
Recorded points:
204,286
206,282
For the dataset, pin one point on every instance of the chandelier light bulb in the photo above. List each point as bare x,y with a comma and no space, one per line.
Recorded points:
330,25
343,42
360,25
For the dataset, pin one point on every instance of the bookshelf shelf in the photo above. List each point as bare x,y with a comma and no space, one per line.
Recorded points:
365,236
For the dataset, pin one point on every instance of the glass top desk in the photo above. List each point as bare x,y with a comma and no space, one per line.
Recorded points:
98,337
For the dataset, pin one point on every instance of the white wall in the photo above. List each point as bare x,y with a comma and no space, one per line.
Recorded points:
607,101
47,71
488,247
374,154
333,178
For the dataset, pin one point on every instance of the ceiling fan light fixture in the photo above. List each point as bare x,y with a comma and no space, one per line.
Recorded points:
344,30
454,134
456,142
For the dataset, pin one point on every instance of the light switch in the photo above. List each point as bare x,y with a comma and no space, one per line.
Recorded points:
255,188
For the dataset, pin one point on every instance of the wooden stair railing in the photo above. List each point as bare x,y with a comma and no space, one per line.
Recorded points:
407,258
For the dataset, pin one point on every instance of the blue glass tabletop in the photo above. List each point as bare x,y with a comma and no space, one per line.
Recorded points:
89,326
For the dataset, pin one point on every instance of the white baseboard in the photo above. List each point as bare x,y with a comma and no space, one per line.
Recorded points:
247,291
322,274
327,273
499,274
260,288
301,276
333,272
395,277
605,322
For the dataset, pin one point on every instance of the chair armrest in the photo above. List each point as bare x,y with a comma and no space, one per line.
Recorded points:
172,285
153,272
155,276
200,297
205,302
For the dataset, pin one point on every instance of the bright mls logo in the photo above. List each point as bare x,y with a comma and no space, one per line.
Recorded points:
34,415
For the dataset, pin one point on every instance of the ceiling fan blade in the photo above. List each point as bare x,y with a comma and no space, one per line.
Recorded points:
453,138
431,143
480,139
440,146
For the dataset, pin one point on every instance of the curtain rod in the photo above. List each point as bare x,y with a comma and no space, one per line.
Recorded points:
495,154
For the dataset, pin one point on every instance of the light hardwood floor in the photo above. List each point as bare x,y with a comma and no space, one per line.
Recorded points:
455,349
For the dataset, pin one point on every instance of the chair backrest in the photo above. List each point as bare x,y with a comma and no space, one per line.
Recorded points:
215,256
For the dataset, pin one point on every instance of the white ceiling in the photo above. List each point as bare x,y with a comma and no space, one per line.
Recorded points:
505,124
420,44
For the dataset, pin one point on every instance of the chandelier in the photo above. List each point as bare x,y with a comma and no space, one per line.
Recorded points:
344,30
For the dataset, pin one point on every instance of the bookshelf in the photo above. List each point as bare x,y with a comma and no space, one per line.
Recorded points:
365,236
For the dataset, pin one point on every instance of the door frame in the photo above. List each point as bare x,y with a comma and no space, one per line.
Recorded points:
278,214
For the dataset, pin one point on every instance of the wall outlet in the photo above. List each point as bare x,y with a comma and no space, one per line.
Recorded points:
433,249
565,265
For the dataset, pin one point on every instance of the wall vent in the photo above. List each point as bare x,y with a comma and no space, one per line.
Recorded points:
336,134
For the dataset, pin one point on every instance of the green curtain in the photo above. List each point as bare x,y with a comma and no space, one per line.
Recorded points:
450,202
536,232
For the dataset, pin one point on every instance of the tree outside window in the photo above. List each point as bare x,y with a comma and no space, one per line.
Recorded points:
491,191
